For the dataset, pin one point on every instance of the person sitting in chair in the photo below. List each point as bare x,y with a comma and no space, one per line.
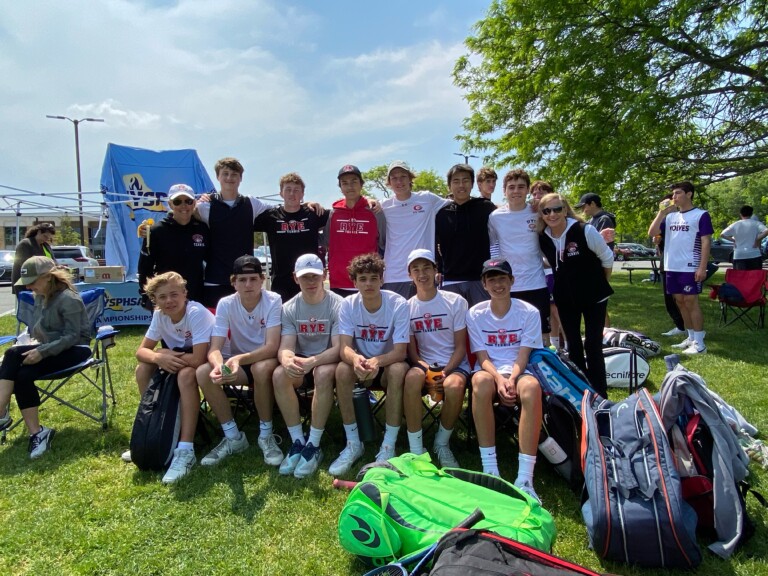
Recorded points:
185,328
60,324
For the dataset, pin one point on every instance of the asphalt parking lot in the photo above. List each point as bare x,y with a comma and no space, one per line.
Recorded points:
7,301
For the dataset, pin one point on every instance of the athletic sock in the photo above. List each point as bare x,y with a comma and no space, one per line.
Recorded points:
443,435
691,334
488,458
265,428
297,433
415,442
698,337
231,430
186,446
390,435
525,464
352,433
315,434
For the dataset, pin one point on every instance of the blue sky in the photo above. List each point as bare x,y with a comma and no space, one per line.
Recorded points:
283,86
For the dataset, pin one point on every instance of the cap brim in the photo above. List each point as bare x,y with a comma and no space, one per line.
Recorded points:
305,271
25,281
577,206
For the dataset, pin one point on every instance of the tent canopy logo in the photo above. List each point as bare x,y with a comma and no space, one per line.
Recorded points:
142,196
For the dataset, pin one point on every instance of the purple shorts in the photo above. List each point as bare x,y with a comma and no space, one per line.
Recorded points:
682,283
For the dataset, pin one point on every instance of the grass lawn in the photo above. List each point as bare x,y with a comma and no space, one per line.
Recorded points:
81,510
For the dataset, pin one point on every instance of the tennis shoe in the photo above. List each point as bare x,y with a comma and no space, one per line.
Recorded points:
351,454
40,442
309,460
527,487
226,447
182,463
684,344
674,332
289,463
126,457
272,454
695,349
385,453
445,456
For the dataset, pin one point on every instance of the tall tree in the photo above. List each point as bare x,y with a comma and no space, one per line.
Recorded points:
617,96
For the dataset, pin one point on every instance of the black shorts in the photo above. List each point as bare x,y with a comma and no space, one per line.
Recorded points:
538,298
375,381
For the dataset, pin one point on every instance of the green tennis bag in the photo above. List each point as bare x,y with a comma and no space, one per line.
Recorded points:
408,504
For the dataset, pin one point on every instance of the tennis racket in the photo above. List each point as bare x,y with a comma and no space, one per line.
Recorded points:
421,557
343,484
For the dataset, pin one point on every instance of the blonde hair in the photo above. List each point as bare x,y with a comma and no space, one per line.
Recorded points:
58,280
157,282
569,213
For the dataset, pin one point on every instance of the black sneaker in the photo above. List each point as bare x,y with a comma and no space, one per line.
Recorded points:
40,442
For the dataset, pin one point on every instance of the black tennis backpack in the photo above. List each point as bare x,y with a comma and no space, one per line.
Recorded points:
157,425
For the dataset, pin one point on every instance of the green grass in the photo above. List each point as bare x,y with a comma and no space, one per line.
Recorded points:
81,510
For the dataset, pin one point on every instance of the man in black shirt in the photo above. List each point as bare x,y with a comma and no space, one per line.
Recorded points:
178,243
592,207
293,229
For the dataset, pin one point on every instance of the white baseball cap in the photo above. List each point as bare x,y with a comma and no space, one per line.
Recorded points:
181,190
421,253
308,264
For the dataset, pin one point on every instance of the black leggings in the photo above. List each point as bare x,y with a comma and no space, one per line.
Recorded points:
594,322
24,376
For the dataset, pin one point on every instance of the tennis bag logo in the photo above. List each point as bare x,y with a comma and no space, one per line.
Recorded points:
366,534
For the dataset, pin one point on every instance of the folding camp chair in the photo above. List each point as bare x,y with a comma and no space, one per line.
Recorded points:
95,370
750,293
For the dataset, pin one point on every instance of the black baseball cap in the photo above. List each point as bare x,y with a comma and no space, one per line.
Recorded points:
246,265
588,198
350,169
496,265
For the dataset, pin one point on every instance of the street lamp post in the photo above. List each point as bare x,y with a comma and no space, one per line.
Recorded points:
465,156
76,123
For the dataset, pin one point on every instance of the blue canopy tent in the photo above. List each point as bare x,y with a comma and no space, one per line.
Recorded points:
135,183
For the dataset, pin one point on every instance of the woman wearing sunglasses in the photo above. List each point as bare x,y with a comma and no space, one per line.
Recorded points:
582,265
178,243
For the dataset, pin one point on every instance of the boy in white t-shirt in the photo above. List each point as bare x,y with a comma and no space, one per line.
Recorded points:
502,333
373,330
185,328
243,353
308,355
438,337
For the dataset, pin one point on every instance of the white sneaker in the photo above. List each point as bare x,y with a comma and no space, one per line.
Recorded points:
126,456
309,461
674,332
182,463
528,489
40,442
288,465
226,447
684,344
445,456
351,454
272,454
695,349
385,453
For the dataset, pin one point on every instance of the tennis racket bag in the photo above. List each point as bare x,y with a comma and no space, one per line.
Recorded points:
408,504
557,376
625,368
157,424
633,504
560,440
470,552
630,339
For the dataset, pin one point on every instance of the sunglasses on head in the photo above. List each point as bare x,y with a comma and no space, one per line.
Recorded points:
180,201
548,211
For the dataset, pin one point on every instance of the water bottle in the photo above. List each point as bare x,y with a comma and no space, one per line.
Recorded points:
363,414
552,451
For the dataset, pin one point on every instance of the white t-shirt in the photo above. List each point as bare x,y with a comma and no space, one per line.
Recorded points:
246,331
745,233
410,225
375,333
501,338
204,208
312,324
194,328
682,239
433,324
514,238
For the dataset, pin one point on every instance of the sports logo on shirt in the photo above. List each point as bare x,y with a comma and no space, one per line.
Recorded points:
313,326
198,241
263,323
373,333
572,249
292,226
418,208
427,323
501,338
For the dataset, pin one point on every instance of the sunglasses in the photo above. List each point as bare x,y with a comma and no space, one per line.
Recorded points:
548,211
180,201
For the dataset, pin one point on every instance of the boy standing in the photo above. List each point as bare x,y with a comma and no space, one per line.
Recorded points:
308,354
438,336
243,348
687,239
502,332
373,329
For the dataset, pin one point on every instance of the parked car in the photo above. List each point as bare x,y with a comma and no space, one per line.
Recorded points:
79,257
632,251
262,253
6,265
721,250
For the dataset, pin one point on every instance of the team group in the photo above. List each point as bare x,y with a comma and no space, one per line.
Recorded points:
383,321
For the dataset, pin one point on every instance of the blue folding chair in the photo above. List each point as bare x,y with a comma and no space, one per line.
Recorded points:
95,370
